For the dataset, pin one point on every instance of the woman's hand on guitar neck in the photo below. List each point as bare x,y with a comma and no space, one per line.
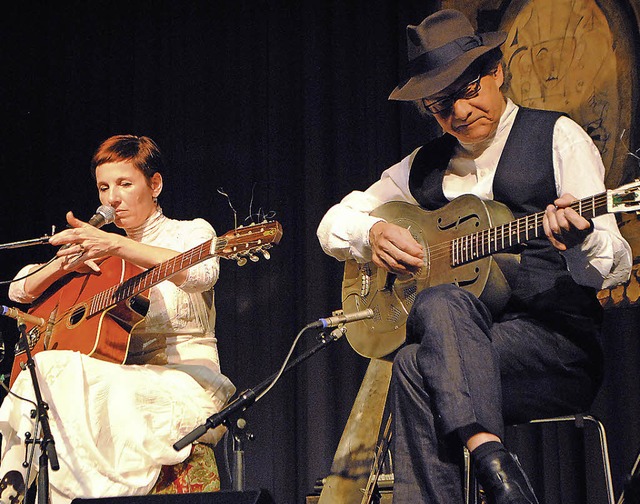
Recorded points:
563,226
394,249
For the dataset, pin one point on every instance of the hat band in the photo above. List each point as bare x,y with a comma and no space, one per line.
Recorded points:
443,55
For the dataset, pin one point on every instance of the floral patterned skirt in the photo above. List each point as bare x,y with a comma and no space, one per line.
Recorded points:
198,473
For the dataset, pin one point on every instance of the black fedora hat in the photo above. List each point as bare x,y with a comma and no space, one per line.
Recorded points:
440,49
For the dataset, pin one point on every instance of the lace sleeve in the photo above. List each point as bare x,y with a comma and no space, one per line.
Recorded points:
203,276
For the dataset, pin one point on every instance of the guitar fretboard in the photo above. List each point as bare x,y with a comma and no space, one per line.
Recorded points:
153,276
496,239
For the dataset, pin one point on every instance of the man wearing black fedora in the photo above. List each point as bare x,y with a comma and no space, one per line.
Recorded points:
465,370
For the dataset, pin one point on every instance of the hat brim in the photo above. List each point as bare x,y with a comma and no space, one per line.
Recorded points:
429,83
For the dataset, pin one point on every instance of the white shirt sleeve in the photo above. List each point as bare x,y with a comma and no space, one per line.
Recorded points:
604,259
204,275
178,235
344,230
17,292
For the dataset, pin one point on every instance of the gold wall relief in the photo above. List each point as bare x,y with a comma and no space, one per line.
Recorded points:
575,56
560,55
578,57
566,55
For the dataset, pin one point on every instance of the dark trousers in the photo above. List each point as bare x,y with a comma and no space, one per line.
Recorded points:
462,373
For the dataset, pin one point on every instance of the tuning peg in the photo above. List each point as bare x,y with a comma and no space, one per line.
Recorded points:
241,261
254,258
265,254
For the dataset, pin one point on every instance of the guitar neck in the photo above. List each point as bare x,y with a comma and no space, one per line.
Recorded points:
237,244
496,239
153,276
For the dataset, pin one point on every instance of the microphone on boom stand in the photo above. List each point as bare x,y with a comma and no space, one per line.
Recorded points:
250,396
16,314
343,318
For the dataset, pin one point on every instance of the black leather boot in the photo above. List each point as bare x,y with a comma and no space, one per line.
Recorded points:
503,480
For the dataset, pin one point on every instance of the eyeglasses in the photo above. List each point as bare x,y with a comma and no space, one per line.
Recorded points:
466,92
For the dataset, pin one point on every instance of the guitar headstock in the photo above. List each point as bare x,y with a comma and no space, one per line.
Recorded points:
625,198
246,242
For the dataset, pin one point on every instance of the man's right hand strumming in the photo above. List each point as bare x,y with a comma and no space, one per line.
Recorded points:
394,249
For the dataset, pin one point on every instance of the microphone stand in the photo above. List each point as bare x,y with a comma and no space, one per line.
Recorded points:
238,435
48,452
25,243
249,396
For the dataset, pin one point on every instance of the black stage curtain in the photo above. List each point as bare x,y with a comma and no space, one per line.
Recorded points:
283,106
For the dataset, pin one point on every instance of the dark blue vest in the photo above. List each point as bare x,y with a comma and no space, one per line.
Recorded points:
525,182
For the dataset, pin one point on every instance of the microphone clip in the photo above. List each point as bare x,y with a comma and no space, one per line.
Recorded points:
338,332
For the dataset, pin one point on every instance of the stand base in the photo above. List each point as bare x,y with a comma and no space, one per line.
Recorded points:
222,497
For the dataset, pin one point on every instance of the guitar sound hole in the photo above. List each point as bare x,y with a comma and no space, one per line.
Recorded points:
76,316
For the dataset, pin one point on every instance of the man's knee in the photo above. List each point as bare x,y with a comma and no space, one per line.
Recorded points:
442,302
405,363
440,297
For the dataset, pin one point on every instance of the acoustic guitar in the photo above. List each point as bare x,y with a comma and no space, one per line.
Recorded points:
466,243
95,313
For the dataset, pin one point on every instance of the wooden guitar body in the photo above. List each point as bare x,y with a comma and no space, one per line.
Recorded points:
95,313
70,325
391,296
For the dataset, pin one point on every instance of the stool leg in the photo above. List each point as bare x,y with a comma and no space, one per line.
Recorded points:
604,447
467,476
604,452
470,483
633,485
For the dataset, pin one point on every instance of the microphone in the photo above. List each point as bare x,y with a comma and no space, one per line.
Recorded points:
105,214
14,313
342,319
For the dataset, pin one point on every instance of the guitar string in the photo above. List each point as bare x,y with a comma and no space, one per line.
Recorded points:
106,298
220,244
101,301
503,233
483,239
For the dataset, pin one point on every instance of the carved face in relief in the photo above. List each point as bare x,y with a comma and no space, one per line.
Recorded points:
549,60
